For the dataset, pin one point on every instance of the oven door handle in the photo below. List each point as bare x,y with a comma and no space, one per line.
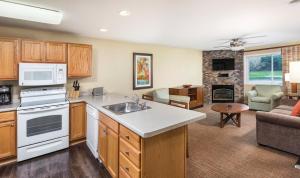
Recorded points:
42,109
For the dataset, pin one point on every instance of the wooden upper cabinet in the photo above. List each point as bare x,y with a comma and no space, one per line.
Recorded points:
32,51
56,52
9,57
79,60
77,121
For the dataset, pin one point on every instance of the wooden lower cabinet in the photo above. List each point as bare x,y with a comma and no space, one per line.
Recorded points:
77,121
7,135
102,142
108,147
126,155
112,161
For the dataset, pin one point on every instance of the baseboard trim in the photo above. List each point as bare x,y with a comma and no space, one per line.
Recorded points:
77,142
8,161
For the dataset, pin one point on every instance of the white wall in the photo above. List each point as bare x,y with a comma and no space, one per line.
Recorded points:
113,63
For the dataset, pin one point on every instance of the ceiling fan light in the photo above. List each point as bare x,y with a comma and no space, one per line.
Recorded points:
30,13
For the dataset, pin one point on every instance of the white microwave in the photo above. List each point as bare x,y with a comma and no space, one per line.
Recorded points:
40,74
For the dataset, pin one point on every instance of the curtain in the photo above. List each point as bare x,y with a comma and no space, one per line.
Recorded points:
289,54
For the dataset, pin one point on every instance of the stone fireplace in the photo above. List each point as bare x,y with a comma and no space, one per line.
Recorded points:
232,78
222,93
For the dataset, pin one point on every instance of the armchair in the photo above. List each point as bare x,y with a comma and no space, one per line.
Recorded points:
264,97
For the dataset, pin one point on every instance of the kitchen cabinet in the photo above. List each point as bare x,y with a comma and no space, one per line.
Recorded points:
77,121
125,154
102,143
56,52
79,60
8,134
43,51
9,56
32,51
109,138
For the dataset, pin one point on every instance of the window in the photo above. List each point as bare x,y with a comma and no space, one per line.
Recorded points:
263,68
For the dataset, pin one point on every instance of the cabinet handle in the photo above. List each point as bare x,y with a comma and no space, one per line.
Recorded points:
127,169
5,124
127,153
127,137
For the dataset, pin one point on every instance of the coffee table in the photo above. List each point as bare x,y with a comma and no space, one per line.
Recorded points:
232,111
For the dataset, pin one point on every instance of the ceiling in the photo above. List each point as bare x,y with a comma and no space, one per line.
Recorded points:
196,24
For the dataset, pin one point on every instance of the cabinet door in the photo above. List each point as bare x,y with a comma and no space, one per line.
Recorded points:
112,153
79,60
77,121
9,54
32,51
8,139
102,145
55,52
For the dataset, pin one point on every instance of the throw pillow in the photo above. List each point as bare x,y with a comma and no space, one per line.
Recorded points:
296,110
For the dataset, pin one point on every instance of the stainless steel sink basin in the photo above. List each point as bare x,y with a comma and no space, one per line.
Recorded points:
124,108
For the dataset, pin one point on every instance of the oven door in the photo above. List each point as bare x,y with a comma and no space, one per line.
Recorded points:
42,124
37,74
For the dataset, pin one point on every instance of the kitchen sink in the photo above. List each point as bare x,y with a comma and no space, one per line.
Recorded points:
124,108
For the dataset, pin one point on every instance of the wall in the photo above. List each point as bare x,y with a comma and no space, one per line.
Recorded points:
236,77
113,63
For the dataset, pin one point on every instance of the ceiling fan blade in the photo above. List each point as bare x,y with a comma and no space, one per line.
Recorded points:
250,37
294,1
227,47
254,43
227,41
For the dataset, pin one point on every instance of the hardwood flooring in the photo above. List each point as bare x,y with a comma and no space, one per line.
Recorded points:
75,162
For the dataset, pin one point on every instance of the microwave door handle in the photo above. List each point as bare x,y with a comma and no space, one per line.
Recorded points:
37,110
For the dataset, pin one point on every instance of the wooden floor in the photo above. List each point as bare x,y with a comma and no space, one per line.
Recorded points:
229,152
75,162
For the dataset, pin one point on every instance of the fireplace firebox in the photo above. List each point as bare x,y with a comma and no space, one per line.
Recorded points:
222,93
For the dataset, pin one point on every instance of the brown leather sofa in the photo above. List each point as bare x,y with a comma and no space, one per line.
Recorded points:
278,129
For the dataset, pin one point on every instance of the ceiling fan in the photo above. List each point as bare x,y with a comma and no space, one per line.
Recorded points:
237,44
294,1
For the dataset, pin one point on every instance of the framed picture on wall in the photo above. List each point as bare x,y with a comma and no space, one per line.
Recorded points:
142,71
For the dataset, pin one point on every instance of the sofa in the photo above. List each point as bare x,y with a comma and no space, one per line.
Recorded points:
162,96
278,129
264,97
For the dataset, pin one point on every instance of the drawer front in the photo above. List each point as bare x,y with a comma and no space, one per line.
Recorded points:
130,137
7,116
129,167
109,122
123,174
130,152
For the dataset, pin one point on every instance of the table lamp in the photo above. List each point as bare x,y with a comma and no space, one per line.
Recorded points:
294,75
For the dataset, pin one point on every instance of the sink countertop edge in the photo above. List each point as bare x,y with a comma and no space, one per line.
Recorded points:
92,100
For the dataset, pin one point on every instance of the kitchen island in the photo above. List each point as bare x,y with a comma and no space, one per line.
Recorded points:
148,143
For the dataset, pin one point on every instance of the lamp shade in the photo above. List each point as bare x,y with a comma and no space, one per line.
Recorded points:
295,72
287,77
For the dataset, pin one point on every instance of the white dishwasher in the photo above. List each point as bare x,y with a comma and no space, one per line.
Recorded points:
92,129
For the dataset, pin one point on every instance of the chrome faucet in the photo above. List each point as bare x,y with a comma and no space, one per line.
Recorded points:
136,99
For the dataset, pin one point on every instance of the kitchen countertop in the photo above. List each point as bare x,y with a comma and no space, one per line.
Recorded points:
147,123
10,107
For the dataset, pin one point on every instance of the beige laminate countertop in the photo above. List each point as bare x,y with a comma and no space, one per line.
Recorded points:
10,107
147,123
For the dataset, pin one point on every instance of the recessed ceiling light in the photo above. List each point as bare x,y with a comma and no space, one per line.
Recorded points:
103,30
30,13
124,13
